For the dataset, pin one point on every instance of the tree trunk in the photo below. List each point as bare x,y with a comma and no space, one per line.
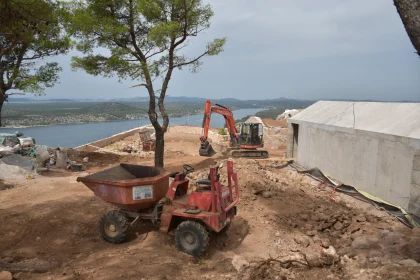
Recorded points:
409,11
1,106
160,147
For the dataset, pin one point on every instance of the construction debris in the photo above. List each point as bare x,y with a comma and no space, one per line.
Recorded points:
62,160
147,139
15,143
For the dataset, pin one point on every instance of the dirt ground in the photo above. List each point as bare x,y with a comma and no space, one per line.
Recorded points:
50,228
274,123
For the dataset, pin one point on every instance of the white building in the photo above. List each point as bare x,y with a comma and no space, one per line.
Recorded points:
372,146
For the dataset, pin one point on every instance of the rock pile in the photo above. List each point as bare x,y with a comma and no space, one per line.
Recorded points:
310,228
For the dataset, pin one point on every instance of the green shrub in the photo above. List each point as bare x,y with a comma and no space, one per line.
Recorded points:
222,131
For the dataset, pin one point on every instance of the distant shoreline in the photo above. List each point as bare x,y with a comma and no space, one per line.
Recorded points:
72,123
103,121
72,135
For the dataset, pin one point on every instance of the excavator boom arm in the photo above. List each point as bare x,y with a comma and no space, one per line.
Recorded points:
218,109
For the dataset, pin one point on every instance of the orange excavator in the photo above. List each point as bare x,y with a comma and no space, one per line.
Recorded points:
245,143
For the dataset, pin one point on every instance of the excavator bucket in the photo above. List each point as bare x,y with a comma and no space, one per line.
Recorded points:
206,149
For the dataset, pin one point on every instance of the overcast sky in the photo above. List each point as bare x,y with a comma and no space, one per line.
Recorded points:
302,49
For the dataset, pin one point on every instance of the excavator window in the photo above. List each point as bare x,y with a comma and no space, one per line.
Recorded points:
255,134
245,136
245,129
251,134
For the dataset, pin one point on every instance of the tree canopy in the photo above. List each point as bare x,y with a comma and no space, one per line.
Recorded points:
143,40
29,31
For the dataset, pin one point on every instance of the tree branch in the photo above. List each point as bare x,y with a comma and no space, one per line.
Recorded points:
133,35
191,61
172,48
155,53
195,33
162,7
181,47
12,45
17,66
299,259
184,37
2,83
138,55
139,85
40,55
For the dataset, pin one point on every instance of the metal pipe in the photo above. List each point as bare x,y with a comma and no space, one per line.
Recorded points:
235,180
230,171
135,220
213,179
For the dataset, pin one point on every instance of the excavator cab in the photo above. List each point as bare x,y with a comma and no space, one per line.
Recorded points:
251,134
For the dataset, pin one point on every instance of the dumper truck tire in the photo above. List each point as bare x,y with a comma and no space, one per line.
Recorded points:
113,226
192,238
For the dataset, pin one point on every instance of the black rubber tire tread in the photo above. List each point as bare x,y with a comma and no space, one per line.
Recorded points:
120,221
201,234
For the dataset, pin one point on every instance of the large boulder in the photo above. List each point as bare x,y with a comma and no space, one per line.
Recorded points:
15,167
408,262
18,160
12,172
361,242
5,275
239,263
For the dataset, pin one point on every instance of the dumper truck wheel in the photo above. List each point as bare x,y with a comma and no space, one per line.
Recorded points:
191,238
113,226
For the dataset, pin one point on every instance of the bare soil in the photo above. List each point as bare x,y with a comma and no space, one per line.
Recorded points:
50,228
275,123
5,186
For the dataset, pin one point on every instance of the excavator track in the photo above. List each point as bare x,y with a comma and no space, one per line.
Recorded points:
250,154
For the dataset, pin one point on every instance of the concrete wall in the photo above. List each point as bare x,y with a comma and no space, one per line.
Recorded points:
383,165
93,146
214,138
414,203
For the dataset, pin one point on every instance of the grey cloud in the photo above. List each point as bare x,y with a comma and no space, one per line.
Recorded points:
300,49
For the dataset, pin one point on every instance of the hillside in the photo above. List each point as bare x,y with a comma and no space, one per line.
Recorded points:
110,107
66,111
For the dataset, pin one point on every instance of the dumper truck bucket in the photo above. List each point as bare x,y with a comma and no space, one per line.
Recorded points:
128,186
206,150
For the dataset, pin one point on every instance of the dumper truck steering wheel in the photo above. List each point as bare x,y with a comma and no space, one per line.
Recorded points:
188,168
